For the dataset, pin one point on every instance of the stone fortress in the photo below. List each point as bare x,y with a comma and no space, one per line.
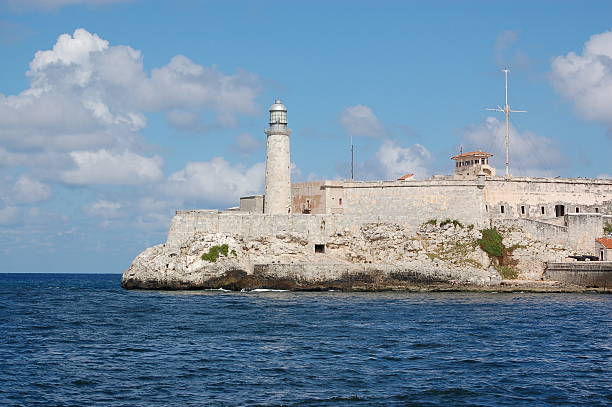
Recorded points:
379,233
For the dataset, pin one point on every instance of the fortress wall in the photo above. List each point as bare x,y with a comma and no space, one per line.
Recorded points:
316,228
588,195
583,230
578,233
537,230
419,201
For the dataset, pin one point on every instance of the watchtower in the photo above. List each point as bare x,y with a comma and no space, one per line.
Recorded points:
472,164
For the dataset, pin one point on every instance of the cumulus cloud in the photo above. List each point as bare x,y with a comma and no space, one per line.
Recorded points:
216,181
360,120
81,117
530,154
586,79
106,167
28,190
396,160
104,209
54,4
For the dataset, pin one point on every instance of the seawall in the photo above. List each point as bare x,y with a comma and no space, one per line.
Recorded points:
587,273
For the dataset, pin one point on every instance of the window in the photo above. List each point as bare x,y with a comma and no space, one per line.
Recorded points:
319,248
596,210
486,208
577,210
559,210
502,209
542,210
522,209
340,201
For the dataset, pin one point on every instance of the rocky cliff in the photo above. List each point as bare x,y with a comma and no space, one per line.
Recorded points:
376,256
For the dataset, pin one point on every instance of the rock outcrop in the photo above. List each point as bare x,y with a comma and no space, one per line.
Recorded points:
378,256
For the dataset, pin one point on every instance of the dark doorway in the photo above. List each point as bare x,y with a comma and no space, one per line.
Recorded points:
319,248
559,210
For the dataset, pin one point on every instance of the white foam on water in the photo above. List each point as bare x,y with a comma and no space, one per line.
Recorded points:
264,290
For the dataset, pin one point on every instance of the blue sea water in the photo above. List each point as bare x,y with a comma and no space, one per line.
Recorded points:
80,340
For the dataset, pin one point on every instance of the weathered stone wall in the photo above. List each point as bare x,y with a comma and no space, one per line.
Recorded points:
346,205
588,273
317,228
417,200
532,194
462,199
252,204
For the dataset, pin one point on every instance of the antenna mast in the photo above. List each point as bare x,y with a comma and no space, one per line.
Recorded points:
352,160
506,110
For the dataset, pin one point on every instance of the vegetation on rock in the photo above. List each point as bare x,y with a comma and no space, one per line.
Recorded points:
608,228
214,252
507,272
492,244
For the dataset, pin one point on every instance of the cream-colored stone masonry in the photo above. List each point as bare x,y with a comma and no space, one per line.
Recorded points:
278,174
342,205
469,200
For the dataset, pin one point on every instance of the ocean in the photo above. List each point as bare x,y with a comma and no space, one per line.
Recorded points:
80,340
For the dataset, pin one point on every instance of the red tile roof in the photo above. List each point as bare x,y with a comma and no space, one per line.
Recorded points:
405,177
605,242
472,154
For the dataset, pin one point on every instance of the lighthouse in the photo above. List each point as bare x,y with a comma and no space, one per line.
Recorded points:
277,200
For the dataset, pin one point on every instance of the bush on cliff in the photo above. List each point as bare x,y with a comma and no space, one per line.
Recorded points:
492,244
214,252
608,228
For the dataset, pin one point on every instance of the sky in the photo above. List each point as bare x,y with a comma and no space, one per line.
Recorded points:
116,113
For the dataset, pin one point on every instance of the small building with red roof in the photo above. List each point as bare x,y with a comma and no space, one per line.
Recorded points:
604,248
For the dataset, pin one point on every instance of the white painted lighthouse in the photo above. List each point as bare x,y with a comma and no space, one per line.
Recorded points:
277,200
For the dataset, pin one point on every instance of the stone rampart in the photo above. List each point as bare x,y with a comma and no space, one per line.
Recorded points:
316,228
537,230
419,200
588,273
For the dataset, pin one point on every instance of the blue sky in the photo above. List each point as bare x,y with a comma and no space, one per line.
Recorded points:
114,114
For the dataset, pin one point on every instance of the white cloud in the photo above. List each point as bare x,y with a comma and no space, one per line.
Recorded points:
529,154
360,120
106,167
587,79
245,143
86,105
54,4
104,209
395,160
216,181
28,190
183,119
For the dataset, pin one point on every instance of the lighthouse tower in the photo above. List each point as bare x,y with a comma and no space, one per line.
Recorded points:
277,200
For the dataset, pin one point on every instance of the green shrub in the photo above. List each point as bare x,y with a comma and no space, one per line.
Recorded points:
214,252
491,243
507,272
433,222
608,229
